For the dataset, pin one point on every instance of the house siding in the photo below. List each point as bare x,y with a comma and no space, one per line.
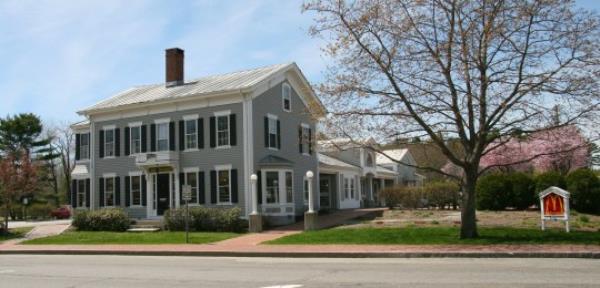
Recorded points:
205,158
270,102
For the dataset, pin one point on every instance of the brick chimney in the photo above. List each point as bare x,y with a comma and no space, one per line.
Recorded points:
174,67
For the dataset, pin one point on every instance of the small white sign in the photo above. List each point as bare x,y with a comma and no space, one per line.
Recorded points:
187,193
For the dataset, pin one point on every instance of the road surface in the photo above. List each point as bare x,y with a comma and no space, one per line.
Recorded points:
145,271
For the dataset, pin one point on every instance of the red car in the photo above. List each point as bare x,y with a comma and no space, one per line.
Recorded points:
61,213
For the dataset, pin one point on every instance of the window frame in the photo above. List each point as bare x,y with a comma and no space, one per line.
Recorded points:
287,97
132,140
219,170
186,125
131,191
305,189
186,179
305,139
282,191
272,121
81,195
219,115
106,179
106,143
87,146
158,139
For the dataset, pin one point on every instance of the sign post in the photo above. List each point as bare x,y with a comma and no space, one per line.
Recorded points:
187,196
554,206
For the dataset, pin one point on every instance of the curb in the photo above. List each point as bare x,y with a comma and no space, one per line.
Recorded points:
580,255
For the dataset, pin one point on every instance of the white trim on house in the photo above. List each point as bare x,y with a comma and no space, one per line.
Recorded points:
162,120
219,168
135,173
190,117
109,127
218,114
222,113
131,146
135,124
191,169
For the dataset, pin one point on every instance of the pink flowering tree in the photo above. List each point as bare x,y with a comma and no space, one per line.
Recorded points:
561,149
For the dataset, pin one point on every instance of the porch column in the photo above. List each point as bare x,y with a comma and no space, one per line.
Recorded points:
149,195
177,187
310,216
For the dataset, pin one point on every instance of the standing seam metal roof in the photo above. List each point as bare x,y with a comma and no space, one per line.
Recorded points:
210,84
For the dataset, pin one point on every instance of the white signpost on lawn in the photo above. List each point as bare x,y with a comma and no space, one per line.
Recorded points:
554,206
186,194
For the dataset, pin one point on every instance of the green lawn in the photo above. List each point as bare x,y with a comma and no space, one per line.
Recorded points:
15,233
438,235
162,237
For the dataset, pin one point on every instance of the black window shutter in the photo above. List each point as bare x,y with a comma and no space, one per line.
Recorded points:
213,130
234,186
201,188
101,190
143,190
87,192
144,139
259,187
232,130
127,191
310,144
200,133
89,145
172,136
300,139
266,131
74,193
278,135
127,141
153,137
117,142
77,146
117,191
213,187
101,144
181,180
181,135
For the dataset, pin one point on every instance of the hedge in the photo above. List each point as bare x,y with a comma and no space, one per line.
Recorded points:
205,219
584,187
550,178
109,219
494,192
441,194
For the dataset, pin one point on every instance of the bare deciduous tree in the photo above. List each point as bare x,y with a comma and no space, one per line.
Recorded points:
476,71
65,142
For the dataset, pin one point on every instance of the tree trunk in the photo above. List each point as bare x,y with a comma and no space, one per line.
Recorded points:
468,227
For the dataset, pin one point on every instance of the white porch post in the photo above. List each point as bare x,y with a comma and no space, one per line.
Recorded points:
149,195
311,197
254,197
177,186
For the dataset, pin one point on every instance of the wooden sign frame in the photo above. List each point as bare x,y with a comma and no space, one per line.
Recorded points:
560,209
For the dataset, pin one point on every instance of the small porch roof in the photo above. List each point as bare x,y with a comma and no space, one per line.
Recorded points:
80,171
329,162
274,161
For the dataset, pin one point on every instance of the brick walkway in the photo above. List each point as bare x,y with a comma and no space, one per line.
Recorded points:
249,245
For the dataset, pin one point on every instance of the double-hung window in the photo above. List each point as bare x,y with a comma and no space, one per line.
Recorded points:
222,131
224,188
191,178
305,139
286,96
162,136
136,139
84,146
272,186
305,188
289,187
136,190
109,143
346,188
191,134
109,191
272,137
352,191
81,193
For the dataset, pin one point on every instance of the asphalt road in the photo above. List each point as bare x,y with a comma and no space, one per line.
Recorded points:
140,271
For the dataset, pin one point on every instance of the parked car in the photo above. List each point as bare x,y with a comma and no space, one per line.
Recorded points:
61,213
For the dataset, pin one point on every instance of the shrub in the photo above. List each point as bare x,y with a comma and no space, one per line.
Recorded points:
584,187
550,178
110,219
39,211
522,190
493,192
584,219
205,219
440,194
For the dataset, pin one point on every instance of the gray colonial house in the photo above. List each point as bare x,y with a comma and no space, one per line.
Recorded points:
137,148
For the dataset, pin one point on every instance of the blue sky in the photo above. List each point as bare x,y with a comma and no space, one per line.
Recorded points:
60,56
